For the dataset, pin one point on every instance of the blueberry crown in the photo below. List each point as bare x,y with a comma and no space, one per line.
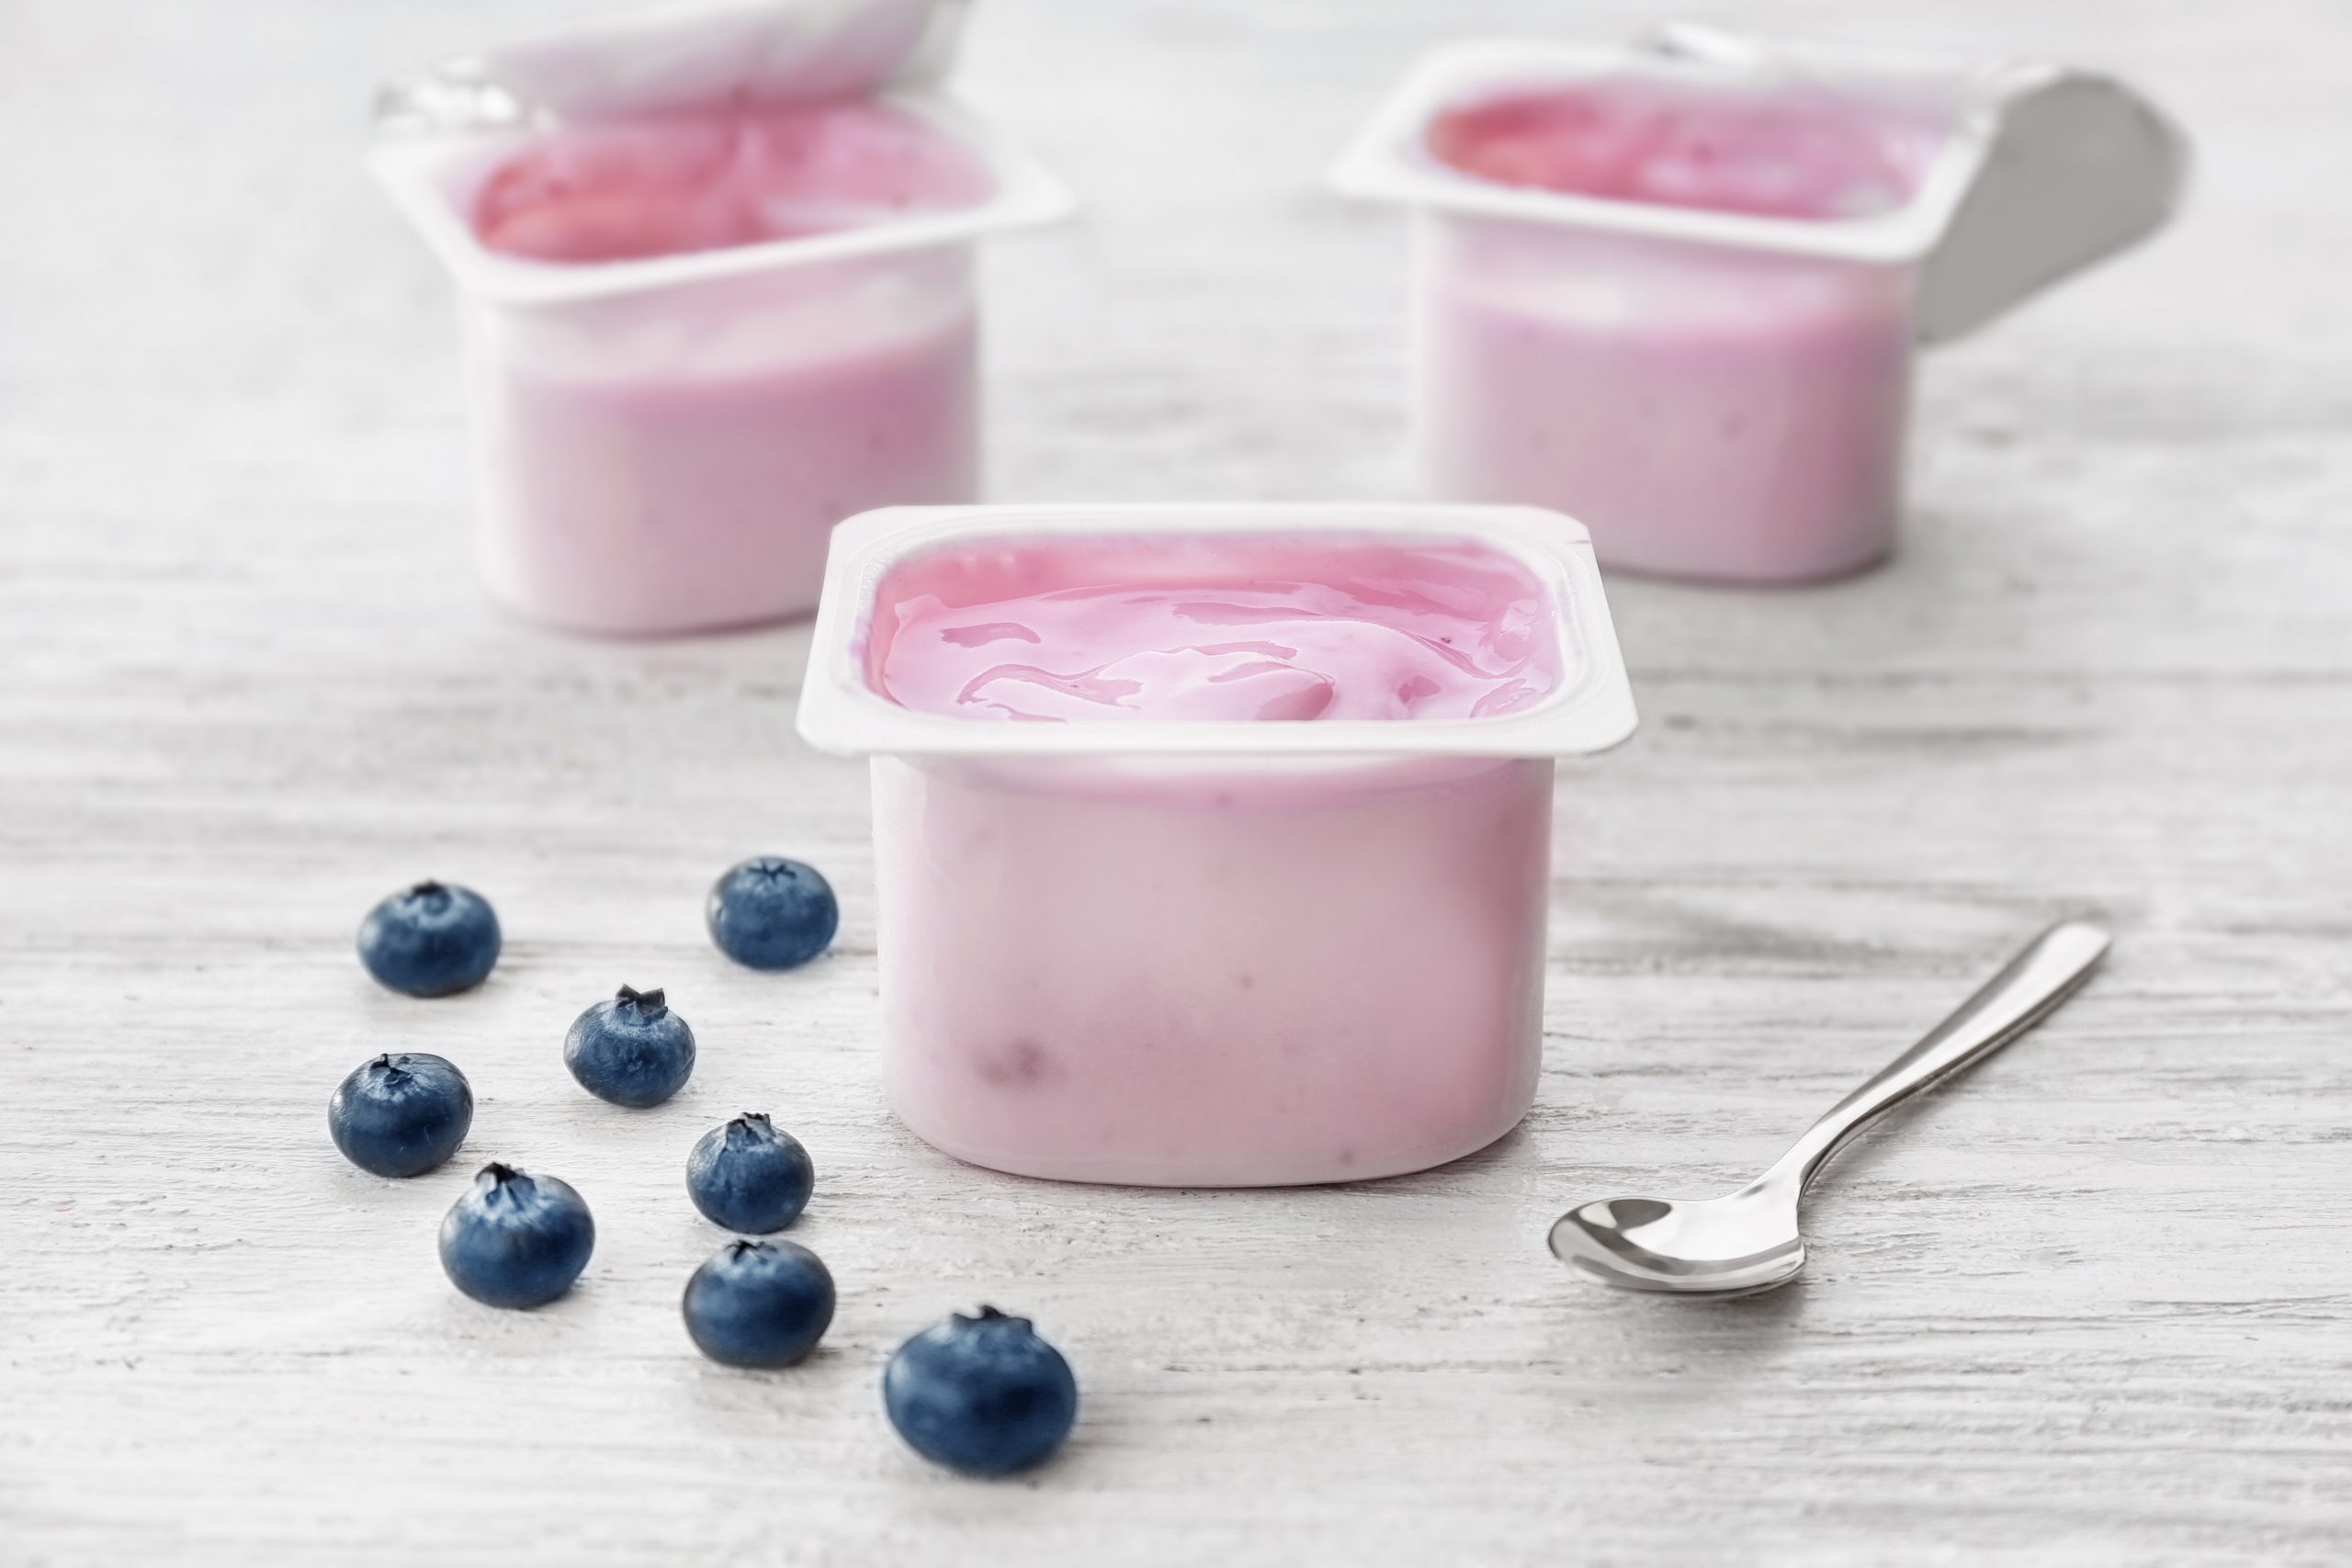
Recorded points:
427,889
989,1315
648,1004
753,1122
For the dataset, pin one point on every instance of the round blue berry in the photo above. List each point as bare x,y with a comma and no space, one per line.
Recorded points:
631,1050
430,940
759,1303
773,913
400,1116
517,1240
748,1177
982,1394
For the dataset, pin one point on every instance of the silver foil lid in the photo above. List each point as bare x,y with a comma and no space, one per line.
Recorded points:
2079,167
2071,168
646,62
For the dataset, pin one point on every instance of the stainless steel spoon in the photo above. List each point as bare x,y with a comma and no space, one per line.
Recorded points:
1747,1241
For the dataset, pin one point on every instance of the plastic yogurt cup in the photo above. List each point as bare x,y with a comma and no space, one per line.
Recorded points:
1212,843
1675,290
715,274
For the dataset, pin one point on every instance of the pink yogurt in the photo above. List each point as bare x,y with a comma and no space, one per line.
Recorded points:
1708,409
674,459
1088,632
1767,155
1192,970
668,184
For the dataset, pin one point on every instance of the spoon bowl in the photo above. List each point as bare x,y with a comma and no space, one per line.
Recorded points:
1744,1242
1749,1241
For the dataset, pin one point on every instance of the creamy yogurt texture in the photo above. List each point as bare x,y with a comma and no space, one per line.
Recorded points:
1215,628
723,176
1786,154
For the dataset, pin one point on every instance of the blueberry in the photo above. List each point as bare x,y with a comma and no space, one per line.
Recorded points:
773,913
430,940
748,1177
982,1394
759,1303
515,1239
400,1116
632,1050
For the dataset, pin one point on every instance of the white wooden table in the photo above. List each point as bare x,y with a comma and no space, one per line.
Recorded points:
2095,1304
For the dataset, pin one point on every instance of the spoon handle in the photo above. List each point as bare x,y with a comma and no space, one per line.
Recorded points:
2050,969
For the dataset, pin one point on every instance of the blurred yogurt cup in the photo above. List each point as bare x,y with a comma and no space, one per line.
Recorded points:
715,266
1212,843
1675,290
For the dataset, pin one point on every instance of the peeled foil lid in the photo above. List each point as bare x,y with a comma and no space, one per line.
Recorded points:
647,62
2080,167
2075,166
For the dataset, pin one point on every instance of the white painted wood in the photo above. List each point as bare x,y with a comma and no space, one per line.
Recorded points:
2092,1305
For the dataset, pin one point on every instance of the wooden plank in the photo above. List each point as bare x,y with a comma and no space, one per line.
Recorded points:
2092,1305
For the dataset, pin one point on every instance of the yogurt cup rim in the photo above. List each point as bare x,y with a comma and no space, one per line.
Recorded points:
841,713
417,171
1387,160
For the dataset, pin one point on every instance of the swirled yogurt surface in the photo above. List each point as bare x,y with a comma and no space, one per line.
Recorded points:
1216,628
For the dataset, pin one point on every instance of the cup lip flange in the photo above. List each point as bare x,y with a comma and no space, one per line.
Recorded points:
1387,162
421,173
840,711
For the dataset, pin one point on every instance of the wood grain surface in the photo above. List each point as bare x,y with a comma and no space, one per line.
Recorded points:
2092,1303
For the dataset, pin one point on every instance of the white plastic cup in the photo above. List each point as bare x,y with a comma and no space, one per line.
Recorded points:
664,445
1210,953
1716,412
676,458
1212,975
1720,395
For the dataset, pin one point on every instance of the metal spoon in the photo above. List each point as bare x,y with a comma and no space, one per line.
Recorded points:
1747,1241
